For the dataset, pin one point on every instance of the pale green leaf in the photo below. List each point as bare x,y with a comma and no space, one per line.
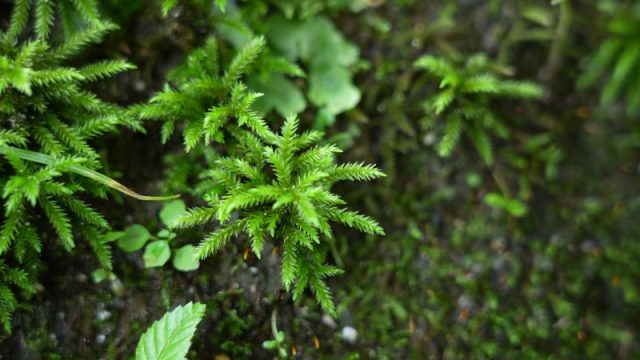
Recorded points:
156,254
172,211
170,337
186,258
134,238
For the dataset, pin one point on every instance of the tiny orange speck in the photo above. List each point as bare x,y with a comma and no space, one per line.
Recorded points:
581,335
583,112
464,314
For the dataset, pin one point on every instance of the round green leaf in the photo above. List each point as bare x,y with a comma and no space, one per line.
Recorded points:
495,200
134,238
172,211
331,87
517,208
269,344
156,254
186,259
280,94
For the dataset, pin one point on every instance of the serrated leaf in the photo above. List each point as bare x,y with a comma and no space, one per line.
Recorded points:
170,337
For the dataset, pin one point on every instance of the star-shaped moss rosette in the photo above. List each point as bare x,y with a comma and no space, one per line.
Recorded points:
277,188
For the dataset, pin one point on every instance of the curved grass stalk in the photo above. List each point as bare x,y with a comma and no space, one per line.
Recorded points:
82,171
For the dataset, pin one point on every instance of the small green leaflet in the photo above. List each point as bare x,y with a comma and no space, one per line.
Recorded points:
156,254
186,259
134,238
172,211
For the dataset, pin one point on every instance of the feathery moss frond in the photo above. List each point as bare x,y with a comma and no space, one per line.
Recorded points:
44,12
617,60
48,121
463,100
227,98
277,188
